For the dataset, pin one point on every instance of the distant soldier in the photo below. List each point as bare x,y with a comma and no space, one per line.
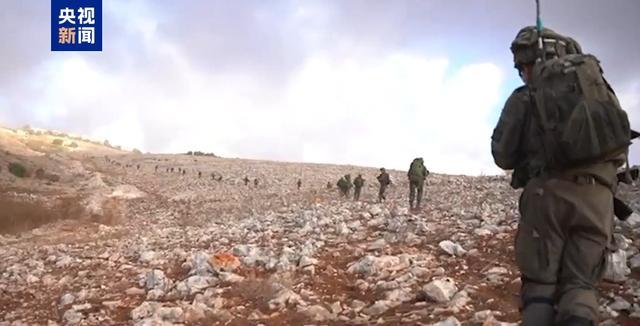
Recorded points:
213,176
179,170
246,180
171,170
345,185
199,174
384,181
255,182
299,183
220,177
184,171
417,174
358,183
156,168
329,185
138,167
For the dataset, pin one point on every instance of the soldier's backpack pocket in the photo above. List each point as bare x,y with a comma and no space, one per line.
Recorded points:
531,253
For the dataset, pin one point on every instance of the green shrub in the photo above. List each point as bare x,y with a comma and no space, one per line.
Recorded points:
73,145
58,141
18,170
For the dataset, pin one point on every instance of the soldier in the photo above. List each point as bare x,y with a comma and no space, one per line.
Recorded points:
358,183
384,181
213,176
345,185
246,180
171,170
329,185
199,174
138,167
184,171
299,183
566,207
417,174
156,169
255,182
220,177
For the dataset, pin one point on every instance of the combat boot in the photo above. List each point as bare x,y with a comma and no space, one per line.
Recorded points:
539,314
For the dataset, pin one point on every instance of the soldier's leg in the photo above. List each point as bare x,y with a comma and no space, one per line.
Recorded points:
419,194
584,255
412,193
538,249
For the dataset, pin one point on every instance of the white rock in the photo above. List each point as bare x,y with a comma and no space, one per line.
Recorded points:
616,269
633,220
147,257
81,307
370,265
67,299
72,317
156,279
283,298
620,304
452,248
634,262
200,265
307,261
375,210
64,261
440,291
144,310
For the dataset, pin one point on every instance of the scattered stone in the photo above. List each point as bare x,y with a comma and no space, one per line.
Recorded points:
440,291
72,317
67,299
452,248
317,313
147,257
620,304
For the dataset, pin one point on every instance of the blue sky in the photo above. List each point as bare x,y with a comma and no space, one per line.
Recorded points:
372,83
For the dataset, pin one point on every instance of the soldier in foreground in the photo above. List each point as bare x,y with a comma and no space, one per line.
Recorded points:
384,181
358,183
417,174
568,171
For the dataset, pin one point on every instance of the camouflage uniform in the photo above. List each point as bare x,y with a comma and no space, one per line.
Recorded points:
565,221
345,185
358,182
417,174
384,181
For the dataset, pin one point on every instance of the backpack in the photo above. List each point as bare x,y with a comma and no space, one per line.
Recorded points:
417,171
579,114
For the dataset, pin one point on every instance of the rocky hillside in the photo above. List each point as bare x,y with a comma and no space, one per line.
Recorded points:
128,240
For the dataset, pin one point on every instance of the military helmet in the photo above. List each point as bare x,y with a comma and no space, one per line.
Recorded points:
526,50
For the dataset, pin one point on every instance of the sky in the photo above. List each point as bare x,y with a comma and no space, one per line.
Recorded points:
372,83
